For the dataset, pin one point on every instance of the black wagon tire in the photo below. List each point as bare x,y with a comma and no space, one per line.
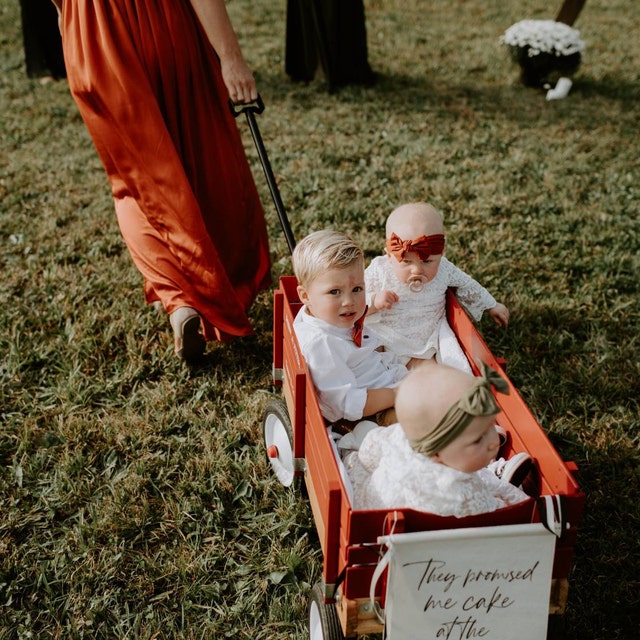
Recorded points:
324,623
278,439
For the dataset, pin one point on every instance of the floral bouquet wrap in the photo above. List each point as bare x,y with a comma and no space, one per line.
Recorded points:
546,50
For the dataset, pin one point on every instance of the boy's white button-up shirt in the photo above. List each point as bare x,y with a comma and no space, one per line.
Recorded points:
341,371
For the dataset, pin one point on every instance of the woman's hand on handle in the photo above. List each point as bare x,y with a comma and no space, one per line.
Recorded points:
236,74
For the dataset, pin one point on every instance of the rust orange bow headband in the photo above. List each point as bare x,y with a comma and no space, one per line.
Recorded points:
424,246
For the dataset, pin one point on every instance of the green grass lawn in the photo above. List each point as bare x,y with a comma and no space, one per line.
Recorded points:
135,497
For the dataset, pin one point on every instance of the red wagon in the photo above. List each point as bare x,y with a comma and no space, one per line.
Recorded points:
299,446
349,599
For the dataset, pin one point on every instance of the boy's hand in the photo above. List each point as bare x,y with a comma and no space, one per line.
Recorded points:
499,314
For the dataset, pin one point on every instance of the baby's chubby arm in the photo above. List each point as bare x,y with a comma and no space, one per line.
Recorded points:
379,400
382,300
378,296
499,314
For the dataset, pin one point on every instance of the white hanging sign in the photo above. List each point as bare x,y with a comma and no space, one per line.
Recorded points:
462,584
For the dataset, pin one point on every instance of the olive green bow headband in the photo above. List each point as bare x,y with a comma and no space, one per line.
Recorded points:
477,401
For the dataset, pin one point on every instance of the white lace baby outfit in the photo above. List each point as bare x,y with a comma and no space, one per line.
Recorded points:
341,371
416,326
386,473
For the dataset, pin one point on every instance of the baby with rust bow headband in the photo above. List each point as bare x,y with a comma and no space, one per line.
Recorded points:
406,290
441,455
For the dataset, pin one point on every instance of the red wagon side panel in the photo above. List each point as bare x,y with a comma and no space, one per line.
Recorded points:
326,491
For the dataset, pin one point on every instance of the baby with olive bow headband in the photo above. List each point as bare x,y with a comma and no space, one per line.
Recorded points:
441,455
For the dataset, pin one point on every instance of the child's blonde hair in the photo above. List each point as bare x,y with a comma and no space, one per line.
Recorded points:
322,250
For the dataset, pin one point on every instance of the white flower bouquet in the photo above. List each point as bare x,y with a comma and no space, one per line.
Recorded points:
546,50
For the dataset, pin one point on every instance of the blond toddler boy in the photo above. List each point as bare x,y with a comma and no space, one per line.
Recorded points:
352,377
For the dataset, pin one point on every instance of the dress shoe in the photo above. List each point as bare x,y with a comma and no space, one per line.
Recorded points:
189,341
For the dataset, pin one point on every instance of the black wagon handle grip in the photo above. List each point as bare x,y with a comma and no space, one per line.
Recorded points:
250,109
255,106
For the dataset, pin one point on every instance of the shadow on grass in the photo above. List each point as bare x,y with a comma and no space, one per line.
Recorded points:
565,362
405,94
252,353
606,547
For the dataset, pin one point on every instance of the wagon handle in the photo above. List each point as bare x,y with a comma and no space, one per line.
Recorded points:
255,106
250,109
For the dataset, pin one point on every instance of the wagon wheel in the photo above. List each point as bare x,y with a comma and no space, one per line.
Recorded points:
278,438
323,618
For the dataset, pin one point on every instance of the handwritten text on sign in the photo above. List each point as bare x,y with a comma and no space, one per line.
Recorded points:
490,583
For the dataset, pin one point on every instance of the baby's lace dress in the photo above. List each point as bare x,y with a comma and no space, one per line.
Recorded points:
386,473
416,326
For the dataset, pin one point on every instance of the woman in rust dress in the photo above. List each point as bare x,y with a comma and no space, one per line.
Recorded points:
151,79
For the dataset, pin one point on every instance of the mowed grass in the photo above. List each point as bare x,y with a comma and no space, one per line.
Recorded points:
135,497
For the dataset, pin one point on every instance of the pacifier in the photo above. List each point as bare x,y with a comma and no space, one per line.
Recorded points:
416,283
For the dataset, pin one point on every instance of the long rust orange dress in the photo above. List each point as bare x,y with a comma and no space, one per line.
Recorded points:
149,88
